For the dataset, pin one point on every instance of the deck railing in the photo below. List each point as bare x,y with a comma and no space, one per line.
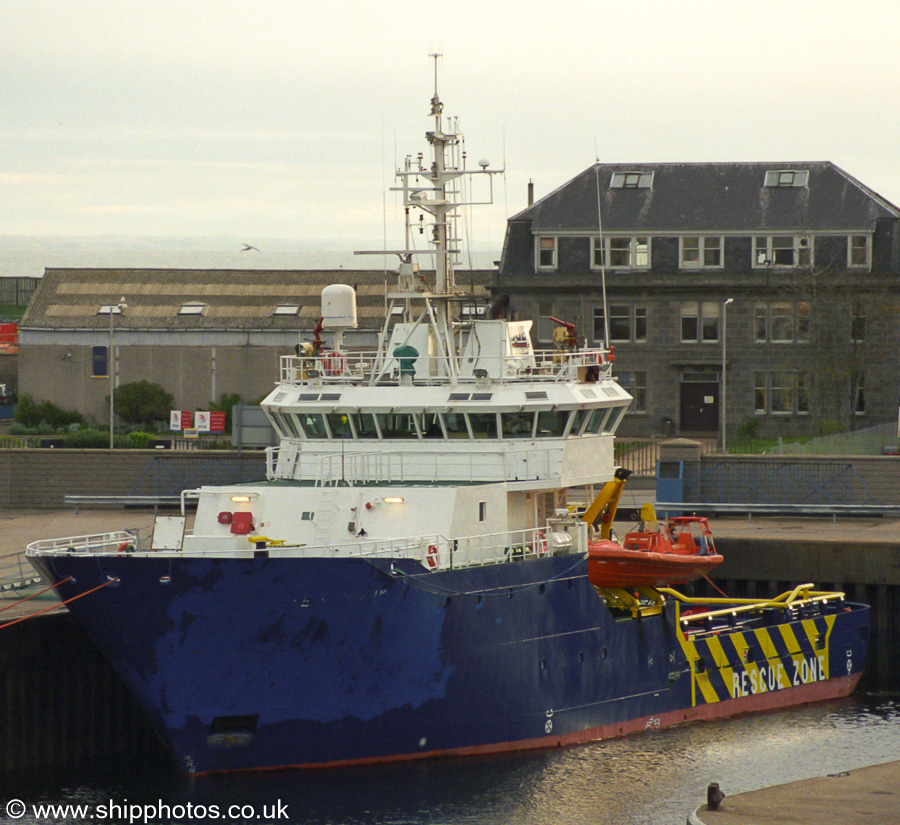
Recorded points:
434,551
365,367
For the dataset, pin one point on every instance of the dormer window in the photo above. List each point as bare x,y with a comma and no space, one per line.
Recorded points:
784,178
546,253
192,309
859,251
631,180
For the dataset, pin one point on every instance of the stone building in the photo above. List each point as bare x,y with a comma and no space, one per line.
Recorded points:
788,274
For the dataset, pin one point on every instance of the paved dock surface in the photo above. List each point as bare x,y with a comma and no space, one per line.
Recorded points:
864,795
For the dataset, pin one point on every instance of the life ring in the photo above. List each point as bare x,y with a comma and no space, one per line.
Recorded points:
334,363
432,556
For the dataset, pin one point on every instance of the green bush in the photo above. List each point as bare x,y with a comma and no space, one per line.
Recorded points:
143,402
44,415
749,430
87,439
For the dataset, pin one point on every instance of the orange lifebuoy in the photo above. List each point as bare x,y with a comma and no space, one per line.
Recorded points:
432,556
334,363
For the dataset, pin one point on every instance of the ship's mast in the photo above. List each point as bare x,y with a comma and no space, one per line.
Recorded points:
433,191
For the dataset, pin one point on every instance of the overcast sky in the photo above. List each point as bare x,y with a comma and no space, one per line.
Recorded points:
285,119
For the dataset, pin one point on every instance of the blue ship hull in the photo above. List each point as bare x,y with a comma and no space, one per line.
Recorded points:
262,662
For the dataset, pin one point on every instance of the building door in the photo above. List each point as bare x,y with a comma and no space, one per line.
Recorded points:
700,406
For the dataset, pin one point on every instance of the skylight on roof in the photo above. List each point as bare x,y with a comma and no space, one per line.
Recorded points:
631,180
287,309
787,177
110,309
192,309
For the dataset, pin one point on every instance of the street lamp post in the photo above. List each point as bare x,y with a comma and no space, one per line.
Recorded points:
722,406
113,311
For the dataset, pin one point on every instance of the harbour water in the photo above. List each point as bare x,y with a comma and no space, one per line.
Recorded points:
650,779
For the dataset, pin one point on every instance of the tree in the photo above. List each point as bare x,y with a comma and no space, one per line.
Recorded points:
849,316
143,402
226,401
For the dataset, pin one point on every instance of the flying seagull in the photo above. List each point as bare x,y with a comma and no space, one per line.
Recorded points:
248,248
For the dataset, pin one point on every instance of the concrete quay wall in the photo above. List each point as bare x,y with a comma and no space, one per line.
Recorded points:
40,478
866,571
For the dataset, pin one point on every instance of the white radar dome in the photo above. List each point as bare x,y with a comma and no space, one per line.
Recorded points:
338,307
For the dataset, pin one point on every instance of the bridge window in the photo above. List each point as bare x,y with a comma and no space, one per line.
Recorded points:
552,423
517,425
363,425
484,425
339,424
313,425
397,425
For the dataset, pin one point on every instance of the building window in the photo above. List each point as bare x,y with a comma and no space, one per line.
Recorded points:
627,253
99,362
546,253
631,180
782,250
782,323
700,321
858,322
635,381
787,178
859,401
859,251
781,393
598,258
627,322
470,311
699,251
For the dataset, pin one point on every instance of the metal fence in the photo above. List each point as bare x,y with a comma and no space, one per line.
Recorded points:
764,481
17,291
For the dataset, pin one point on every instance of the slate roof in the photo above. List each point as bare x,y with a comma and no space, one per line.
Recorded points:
714,197
234,299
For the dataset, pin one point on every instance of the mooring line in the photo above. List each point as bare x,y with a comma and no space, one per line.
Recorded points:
35,595
57,606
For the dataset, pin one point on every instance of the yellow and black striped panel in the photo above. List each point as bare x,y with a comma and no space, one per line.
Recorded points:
784,655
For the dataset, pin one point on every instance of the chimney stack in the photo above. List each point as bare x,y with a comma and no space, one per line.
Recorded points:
530,192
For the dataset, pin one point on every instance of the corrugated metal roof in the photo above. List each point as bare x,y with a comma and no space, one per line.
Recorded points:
234,299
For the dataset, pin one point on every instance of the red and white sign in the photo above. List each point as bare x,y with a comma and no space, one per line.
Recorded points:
217,422
202,421
179,419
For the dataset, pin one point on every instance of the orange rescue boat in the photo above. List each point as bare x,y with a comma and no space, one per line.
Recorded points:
676,553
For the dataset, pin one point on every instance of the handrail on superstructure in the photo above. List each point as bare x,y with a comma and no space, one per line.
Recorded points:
363,368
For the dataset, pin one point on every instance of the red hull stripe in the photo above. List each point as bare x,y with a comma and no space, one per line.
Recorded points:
772,700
